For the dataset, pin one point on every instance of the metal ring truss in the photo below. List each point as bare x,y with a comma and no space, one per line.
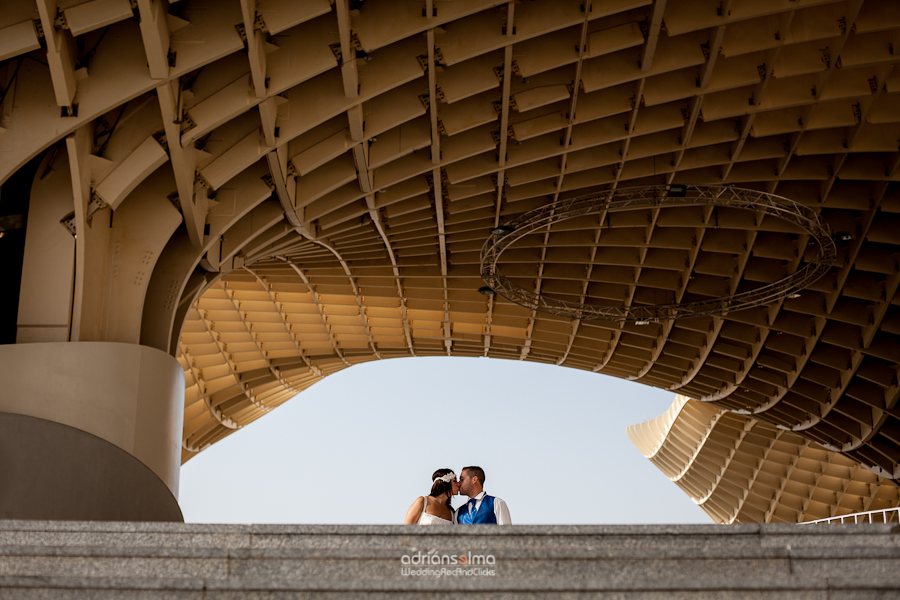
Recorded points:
637,198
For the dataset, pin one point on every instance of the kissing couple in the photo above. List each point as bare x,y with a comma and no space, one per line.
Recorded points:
435,509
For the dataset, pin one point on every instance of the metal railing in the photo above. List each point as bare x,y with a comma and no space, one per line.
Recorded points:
886,515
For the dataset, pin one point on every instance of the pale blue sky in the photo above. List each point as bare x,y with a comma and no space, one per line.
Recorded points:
360,446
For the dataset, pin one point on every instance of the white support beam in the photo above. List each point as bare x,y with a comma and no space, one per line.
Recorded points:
364,175
268,114
715,46
256,47
60,55
501,156
349,72
155,33
437,185
285,189
355,120
91,242
653,36
192,197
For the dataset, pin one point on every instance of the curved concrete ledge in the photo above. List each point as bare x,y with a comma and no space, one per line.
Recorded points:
52,471
128,395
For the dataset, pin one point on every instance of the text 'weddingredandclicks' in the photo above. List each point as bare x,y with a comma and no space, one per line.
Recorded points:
452,565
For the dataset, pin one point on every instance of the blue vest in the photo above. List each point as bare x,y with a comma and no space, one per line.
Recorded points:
484,514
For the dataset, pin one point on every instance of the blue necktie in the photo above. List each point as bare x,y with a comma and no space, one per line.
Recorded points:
472,506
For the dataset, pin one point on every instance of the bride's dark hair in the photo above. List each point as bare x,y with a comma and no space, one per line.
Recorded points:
438,487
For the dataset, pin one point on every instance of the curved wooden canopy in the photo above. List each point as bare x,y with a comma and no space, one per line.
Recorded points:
740,470
313,182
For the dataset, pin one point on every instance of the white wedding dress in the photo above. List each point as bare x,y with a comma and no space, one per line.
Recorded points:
426,519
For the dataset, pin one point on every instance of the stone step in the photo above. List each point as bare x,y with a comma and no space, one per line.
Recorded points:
144,560
101,588
691,563
177,535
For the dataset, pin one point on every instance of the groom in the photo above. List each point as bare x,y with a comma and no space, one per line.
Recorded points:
481,508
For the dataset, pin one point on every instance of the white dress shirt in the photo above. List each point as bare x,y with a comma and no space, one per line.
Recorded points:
501,512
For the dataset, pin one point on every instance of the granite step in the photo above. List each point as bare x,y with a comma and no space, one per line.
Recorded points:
144,560
833,588
181,535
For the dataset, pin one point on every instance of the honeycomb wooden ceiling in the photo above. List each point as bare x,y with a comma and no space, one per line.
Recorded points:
339,165
740,470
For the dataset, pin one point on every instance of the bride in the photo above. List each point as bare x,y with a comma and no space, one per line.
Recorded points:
434,509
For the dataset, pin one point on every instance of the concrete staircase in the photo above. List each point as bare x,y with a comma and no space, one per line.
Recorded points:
87,560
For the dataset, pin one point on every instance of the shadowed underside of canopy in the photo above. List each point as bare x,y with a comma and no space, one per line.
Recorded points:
313,183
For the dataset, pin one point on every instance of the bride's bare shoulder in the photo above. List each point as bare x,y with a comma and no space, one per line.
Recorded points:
415,511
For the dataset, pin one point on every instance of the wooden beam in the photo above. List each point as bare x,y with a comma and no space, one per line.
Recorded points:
155,34
92,220
60,56
194,198
656,19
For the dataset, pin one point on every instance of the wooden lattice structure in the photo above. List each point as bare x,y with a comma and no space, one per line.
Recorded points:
740,470
312,183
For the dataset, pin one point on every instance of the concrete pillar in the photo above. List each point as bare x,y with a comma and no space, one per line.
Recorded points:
90,430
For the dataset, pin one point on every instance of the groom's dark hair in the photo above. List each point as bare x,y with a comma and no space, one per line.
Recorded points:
477,472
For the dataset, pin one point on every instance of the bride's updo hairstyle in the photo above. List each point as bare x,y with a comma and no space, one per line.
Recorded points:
439,486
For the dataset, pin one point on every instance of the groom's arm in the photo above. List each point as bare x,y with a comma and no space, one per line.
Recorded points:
501,512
